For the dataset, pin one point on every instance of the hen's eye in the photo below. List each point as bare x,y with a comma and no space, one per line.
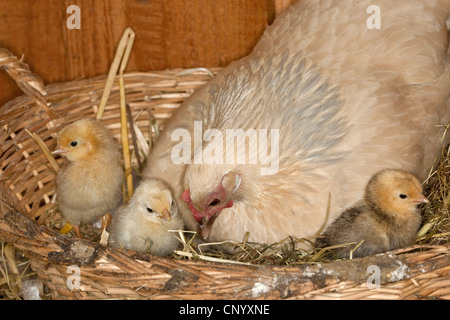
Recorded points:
402,196
74,143
150,210
214,202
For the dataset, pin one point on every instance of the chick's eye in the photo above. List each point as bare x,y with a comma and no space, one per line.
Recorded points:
402,196
214,202
74,143
150,210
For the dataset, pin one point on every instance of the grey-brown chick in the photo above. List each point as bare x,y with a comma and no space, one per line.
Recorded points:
386,219
90,183
142,225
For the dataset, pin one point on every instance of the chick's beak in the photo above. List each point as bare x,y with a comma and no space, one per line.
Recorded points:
59,150
421,199
165,214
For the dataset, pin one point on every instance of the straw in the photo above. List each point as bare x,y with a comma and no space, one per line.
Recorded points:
45,150
119,64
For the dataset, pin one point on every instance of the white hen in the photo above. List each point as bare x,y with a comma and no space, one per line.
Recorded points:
347,101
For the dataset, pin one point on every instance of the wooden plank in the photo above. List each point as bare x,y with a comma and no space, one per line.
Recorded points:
90,50
281,5
169,34
25,30
224,32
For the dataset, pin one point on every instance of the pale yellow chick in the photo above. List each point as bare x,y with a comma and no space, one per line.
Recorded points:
387,218
90,183
142,225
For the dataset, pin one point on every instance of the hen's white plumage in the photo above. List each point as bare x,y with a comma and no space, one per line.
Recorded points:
348,101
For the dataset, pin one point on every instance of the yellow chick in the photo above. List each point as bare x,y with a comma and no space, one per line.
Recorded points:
142,225
386,219
90,183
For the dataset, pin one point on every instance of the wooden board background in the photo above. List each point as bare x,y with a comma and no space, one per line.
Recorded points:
169,34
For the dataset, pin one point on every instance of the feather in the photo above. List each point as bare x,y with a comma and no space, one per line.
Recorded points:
143,224
89,183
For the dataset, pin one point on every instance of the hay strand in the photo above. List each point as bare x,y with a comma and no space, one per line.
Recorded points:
327,217
436,214
134,137
128,36
118,65
122,54
45,150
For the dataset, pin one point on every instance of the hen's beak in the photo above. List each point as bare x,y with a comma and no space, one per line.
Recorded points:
204,228
165,214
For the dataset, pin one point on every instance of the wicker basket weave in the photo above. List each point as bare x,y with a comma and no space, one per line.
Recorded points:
27,187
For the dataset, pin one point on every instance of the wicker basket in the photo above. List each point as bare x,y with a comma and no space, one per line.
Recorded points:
27,187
